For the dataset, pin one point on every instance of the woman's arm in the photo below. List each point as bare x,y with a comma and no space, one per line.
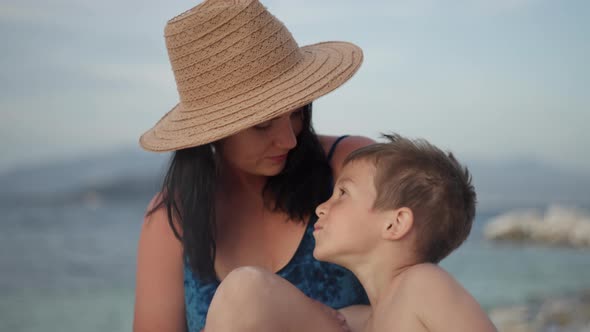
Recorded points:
344,148
159,288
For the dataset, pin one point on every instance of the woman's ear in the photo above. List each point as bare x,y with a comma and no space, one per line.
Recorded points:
398,224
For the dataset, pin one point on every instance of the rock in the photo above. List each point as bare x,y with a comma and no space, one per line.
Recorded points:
512,319
567,313
514,225
559,226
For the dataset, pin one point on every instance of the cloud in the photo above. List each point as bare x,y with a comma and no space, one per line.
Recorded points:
500,6
12,13
432,68
354,12
321,12
152,75
42,12
303,12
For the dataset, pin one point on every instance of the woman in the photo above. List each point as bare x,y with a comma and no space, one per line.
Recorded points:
247,173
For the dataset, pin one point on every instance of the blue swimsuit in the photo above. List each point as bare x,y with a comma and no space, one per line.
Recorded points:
328,283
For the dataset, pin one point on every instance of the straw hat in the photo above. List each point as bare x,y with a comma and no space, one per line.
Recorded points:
236,66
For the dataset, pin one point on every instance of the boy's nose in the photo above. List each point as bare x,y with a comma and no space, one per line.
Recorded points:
320,211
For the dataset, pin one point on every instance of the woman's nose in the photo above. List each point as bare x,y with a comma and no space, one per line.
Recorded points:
285,137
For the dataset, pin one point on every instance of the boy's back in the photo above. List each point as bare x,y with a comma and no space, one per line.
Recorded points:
425,297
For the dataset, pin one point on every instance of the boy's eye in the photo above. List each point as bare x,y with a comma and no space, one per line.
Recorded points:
341,191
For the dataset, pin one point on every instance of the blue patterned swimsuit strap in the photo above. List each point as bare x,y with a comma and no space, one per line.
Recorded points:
331,154
334,145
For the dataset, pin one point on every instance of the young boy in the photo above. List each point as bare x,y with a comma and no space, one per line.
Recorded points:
398,208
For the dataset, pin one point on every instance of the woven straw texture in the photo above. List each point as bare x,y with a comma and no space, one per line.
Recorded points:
235,66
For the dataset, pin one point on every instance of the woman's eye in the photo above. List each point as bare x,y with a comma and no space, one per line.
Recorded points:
262,126
297,114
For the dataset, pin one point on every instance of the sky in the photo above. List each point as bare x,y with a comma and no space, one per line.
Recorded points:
489,80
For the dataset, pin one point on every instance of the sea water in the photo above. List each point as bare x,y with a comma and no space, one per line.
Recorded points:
68,264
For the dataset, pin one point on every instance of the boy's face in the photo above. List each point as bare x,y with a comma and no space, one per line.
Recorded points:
347,225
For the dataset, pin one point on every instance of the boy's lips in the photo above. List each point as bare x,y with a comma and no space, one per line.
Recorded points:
317,227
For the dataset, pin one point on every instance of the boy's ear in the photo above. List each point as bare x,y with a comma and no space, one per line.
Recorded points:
398,224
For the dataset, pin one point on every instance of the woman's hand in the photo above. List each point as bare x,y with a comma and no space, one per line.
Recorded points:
356,316
338,316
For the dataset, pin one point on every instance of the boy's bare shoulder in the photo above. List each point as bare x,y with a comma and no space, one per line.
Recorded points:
428,283
400,307
438,299
426,275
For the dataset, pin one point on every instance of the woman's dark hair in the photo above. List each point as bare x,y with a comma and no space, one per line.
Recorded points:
188,192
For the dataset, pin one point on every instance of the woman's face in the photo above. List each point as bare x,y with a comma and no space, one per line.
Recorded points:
262,149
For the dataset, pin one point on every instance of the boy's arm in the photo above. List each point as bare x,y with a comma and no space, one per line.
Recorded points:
444,305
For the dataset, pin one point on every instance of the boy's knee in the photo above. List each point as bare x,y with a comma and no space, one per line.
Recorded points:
247,280
244,286
239,299
248,274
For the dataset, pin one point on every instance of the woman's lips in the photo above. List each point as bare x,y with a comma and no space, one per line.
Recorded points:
279,158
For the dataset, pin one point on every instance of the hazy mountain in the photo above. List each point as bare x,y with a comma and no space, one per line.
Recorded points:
119,175
512,184
128,174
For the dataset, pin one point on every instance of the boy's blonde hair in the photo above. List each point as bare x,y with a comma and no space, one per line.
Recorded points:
417,175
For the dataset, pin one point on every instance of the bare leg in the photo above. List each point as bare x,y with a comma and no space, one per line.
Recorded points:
254,299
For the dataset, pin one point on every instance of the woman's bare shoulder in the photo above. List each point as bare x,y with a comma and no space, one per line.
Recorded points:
349,144
427,278
156,218
344,148
157,236
159,247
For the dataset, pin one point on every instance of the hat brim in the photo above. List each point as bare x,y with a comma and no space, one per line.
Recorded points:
323,68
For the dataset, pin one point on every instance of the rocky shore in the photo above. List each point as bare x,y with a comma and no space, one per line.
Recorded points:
558,226
566,313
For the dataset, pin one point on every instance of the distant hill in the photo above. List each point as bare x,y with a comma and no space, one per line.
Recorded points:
505,185
119,175
133,173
